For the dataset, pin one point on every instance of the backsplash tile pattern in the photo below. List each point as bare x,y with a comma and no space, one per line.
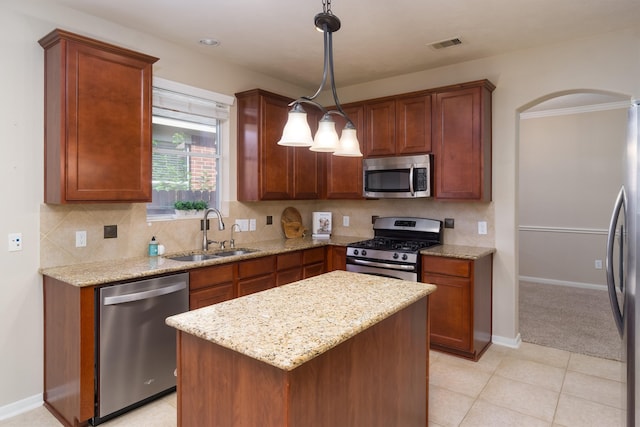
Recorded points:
58,224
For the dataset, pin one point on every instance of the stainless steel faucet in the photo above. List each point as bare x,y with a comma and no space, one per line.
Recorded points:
232,242
205,240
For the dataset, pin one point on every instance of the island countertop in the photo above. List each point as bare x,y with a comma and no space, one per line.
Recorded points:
290,325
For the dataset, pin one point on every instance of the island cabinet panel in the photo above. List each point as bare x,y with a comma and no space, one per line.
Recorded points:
378,378
461,308
211,285
97,121
344,174
69,313
462,142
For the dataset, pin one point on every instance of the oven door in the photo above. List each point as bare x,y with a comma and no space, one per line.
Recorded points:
383,269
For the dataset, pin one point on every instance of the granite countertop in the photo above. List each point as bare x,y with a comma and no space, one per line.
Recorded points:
98,273
458,251
290,325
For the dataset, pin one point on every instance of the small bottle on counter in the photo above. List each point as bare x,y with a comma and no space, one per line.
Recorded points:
153,247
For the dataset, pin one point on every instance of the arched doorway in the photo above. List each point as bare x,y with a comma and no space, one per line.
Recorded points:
570,169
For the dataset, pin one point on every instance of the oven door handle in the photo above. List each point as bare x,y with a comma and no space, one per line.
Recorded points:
382,264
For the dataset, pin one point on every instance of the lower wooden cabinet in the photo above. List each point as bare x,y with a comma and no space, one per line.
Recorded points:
256,275
336,258
461,306
211,285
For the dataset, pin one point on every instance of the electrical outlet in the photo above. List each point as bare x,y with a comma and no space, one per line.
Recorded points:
269,220
598,264
81,239
345,221
449,223
15,242
110,231
482,227
252,224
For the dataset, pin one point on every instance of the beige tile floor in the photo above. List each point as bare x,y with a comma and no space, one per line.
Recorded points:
529,386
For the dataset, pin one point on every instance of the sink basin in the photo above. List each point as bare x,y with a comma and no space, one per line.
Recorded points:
193,257
233,252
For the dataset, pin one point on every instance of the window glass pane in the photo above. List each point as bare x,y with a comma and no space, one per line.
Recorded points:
186,160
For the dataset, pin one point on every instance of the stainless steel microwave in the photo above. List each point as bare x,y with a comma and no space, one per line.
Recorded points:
399,177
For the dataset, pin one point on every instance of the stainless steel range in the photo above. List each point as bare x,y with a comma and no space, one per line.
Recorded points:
395,248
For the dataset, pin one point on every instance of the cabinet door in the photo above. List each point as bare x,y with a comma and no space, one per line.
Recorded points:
451,324
98,121
462,144
344,174
276,161
413,124
308,174
337,258
380,128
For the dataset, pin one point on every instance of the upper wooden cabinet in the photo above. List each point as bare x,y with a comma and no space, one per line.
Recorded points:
462,142
97,121
399,125
266,170
344,174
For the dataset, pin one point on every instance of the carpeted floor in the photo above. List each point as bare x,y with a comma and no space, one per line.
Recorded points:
569,318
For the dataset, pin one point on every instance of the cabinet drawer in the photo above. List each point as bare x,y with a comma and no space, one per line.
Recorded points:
313,270
446,266
207,276
289,260
311,256
256,284
288,276
211,295
256,267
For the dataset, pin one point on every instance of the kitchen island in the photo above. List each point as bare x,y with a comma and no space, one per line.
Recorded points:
339,349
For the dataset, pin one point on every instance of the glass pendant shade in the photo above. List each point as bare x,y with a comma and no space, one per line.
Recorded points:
296,132
326,138
348,145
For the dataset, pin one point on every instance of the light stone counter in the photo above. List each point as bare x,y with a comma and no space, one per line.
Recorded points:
458,251
290,325
98,273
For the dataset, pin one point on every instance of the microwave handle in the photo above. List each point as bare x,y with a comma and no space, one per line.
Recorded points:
411,189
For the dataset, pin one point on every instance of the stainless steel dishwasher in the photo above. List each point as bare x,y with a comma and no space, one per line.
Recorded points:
135,349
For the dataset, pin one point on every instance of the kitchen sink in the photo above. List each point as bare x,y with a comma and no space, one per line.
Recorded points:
193,257
234,252
204,257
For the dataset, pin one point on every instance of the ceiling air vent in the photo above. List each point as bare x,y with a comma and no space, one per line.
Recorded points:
446,43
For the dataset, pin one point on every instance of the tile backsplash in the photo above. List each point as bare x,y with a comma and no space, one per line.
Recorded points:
59,223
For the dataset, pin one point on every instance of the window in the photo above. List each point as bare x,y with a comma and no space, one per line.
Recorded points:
189,135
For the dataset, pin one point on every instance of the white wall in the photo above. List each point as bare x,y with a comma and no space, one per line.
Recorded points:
571,168
521,77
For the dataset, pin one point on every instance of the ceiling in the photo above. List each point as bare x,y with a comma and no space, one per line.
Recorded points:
378,39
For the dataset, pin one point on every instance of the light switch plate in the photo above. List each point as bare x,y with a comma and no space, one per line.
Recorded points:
81,239
243,224
15,242
345,221
252,224
482,227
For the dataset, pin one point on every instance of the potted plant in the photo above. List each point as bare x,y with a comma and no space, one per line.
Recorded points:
200,205
182,207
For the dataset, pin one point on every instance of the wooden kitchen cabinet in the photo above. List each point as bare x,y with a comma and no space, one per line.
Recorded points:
266,170
297,265
336,258
399,125
461,308
97,121
462,142
256,275
211,285
313,262
343,178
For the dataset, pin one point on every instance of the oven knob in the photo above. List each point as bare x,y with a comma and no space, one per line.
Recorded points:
364,253
356,252
404,257
395,256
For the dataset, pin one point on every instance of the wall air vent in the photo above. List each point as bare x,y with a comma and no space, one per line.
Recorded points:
445,43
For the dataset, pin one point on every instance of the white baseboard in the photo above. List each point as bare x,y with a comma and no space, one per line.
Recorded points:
507,342
24,405
544,281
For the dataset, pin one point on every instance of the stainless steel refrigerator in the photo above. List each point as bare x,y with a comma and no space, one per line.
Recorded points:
622,271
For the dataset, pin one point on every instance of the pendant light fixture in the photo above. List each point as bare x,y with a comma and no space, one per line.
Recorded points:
296,132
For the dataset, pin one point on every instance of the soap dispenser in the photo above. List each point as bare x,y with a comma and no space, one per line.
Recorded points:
153,247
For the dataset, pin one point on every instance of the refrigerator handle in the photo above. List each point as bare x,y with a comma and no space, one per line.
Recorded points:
611,285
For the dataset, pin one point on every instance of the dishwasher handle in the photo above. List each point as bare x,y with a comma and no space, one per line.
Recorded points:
137,296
